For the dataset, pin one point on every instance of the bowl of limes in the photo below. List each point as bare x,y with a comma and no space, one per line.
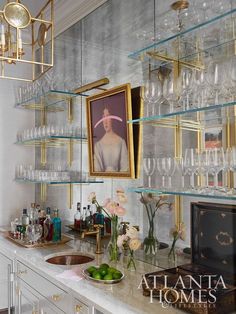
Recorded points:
103,274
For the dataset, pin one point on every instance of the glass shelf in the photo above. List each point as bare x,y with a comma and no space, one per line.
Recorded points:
217,195
188,119
197,39
52,101
53,141
59,182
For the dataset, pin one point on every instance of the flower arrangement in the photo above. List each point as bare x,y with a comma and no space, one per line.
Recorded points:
130,241
177,233
113,210
152,204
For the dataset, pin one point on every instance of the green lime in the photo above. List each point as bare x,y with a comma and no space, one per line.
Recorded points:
111,270
107,277
97,275
104,266
91,269
102,271
117,275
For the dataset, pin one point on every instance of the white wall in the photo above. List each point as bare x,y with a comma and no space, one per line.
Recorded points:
13,196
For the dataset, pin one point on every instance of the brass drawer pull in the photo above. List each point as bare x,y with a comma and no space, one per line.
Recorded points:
22,272
78,308
56,297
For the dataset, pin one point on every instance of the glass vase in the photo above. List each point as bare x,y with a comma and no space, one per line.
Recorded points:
131,261
151,243
112,246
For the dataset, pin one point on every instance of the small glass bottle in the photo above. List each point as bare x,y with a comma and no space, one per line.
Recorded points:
56,227
48,226
77,217
94,212
83,221
24,221
33,214
89,221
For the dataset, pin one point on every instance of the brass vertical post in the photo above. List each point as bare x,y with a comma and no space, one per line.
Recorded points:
70,110
43,192
70,196
178,154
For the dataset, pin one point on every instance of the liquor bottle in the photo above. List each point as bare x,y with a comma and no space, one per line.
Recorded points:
100,220
89,218
33,214
77,217
41,219
56,227
24,220
83,219
48,226
107,225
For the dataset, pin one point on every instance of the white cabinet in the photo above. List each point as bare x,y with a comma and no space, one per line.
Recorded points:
30,301
36,294
6,283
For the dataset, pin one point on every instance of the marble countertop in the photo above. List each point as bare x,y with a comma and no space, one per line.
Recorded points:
124,297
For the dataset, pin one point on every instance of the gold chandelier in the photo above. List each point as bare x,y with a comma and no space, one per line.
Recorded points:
26,42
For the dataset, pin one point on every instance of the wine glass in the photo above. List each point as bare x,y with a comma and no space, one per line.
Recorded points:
214,77
150,96
189,163
149,168
216,163
162,170
170,165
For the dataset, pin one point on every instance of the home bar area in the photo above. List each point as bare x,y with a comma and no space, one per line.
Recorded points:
118,156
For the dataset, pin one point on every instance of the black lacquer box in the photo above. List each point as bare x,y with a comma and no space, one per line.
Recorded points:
208,284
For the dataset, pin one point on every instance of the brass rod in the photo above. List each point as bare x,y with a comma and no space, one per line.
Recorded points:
70,196
92,85
25,61
70,111
70,152
186,64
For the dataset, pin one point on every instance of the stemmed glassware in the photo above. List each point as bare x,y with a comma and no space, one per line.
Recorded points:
216,164
149,165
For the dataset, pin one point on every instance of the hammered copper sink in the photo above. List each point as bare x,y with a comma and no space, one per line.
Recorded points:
69,259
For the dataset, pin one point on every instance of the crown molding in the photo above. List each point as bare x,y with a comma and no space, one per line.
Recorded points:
67,13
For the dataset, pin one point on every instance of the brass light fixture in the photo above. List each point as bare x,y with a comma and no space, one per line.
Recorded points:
24,54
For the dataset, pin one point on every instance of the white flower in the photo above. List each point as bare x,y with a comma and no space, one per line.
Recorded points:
121,196
132,233
120,240
92,197
134,244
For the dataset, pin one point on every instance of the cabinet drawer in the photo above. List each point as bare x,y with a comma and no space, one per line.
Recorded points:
80,307
50,291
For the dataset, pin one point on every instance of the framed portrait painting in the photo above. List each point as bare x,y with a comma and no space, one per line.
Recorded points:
110,137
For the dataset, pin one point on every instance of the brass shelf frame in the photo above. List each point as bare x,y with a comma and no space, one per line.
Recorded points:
58,142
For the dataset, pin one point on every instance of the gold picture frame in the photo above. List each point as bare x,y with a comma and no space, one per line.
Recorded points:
110,137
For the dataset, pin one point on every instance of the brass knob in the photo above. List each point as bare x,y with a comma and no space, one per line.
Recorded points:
78,308
56,297
22,272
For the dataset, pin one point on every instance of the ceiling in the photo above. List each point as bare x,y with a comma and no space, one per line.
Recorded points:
67,12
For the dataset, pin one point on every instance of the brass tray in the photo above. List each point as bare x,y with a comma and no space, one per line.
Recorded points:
87,276
64,240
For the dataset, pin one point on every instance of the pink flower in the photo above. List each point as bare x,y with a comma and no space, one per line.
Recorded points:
120,211
106,202
111,207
